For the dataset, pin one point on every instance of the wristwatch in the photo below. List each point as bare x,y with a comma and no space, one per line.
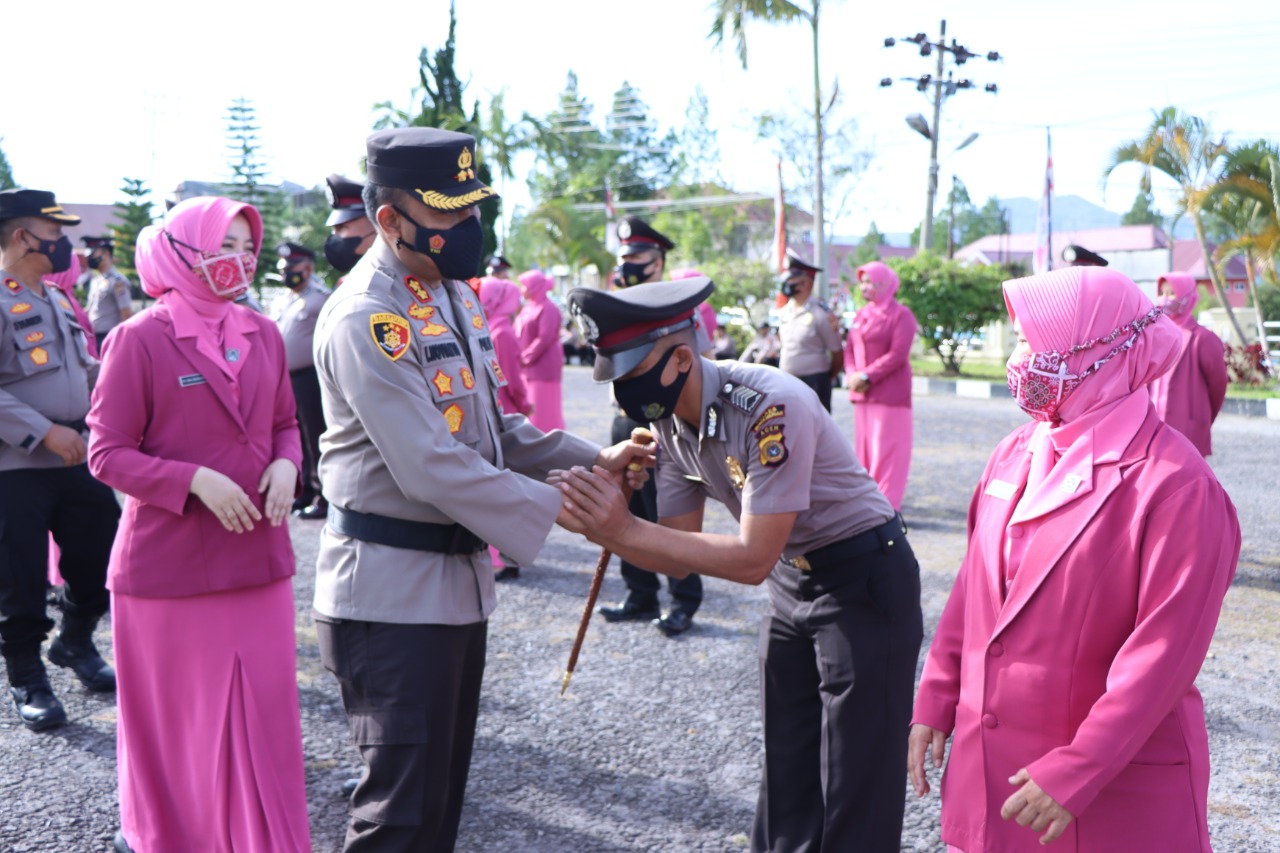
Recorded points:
865,378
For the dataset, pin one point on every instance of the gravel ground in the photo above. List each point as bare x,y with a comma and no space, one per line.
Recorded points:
656,746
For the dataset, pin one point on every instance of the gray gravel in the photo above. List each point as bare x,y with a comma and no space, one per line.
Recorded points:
656,746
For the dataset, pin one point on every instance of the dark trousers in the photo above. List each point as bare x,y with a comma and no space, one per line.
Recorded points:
411,693
306,391
642,584
82,515
838,654
821,385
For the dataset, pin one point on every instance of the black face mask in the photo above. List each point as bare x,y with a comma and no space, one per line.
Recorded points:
633,274
457,251
95,262
644,398
790,288
57,251
293,280
342,253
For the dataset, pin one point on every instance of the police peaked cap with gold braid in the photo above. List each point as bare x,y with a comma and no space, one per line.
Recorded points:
437,166
623,325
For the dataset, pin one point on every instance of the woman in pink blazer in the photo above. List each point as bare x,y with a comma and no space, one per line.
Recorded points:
538,330
193,419
1190,396
1064,664
877,358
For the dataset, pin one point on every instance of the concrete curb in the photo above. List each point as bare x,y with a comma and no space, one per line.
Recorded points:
981,389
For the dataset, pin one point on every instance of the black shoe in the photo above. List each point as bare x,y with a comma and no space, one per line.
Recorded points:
38,708
315,512
83,659
349,787
122,846
507,573
299,504
676,621
630,611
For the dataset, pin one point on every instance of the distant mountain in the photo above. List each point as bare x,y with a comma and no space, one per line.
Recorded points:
1070,213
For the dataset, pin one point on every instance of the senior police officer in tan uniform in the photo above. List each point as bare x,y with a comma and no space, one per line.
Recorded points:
110,296
296,313
840,641
45,486
421,470
809,334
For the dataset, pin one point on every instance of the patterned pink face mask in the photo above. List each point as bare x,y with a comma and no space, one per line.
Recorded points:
228,276
1041,381
1175,307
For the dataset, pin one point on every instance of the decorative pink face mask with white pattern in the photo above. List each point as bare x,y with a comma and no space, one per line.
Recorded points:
1041,381
228,275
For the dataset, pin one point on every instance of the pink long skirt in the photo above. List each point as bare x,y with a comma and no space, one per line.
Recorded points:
209,743
882,437
548,414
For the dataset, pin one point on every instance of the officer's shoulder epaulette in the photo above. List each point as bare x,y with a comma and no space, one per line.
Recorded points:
741,397
824,306
12,287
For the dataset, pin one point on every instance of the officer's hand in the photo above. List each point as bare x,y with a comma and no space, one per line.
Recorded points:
1032,807
278,482
634,456
65,442
923,739
225,499
595,503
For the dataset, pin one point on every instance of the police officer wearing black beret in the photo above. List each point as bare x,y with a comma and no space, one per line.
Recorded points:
839,644
422,471
45,486
353,233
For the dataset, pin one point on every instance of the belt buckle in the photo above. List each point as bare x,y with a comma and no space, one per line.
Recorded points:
799,562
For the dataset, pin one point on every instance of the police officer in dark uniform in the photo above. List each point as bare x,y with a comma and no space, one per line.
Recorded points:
811,346
45,487
1079,256
840,641
295,314
642,259
353,233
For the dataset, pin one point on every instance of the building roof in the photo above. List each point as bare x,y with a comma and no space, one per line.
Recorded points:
1188,258
1125,238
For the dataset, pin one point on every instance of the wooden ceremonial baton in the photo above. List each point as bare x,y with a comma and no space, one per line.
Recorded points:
640,435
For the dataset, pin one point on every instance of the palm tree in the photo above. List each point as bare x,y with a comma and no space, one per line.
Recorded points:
1182,147
731,17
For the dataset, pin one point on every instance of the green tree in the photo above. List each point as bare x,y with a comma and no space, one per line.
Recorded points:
133,213
749,285
6,174
1143,211
249,184
1182,147
869,247
731,17
554,233
952,302
697,148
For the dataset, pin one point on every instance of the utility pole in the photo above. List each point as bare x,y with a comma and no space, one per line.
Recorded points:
942,89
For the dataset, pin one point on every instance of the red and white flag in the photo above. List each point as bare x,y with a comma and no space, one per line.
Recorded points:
610,232
779,253
1042,260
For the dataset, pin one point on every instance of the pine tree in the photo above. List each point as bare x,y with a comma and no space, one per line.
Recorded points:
6,174
133,213
248,183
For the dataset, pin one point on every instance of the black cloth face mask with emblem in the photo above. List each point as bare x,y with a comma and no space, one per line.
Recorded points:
57,251
342,253
456,251
644,398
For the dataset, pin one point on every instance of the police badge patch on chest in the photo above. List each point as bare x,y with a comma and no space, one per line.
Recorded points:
390,333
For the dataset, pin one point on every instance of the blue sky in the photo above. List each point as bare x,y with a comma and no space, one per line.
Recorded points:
98,92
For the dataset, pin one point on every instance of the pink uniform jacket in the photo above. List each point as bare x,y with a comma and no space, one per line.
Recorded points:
883,339
1190,396
161,410
1085,673
538,328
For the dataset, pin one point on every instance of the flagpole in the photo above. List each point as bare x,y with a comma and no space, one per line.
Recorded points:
1048,144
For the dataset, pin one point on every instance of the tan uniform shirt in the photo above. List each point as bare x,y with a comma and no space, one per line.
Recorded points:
808,338
46,372
109,294
409,382
766,446
296,315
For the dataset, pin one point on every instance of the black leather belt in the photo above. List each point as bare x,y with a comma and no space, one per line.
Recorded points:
78,424
399,533
837,554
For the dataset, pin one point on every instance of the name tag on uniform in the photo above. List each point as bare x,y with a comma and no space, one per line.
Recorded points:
1001,489
1071,483
191,379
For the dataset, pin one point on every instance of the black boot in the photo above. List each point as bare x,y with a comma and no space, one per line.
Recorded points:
120,845
33,698
73,648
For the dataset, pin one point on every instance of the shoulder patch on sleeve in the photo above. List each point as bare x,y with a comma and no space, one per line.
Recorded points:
772,444
771,413
391,334
740,396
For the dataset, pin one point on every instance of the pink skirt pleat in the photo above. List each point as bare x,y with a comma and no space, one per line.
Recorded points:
548,413
882,439
209,739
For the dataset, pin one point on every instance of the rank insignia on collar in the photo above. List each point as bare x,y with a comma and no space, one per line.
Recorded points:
40,356
433,330
736,475
468,381
740,396
64,303
13,284
772,445
471,306
417,288
421,312
20,308
390,333
477,321
453,417
497,371
34,337
443,383
769,414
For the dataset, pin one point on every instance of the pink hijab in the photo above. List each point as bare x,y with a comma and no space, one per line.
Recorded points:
66,282
706,311
536,285
1184,288
885,280
500,299
219,326
1056,311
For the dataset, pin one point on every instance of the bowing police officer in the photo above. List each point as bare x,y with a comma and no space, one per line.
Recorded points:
45,486
421,469
110,295
353,233
296,313
843,631
808,331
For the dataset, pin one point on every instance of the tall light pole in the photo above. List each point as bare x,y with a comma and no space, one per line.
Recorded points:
942,89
